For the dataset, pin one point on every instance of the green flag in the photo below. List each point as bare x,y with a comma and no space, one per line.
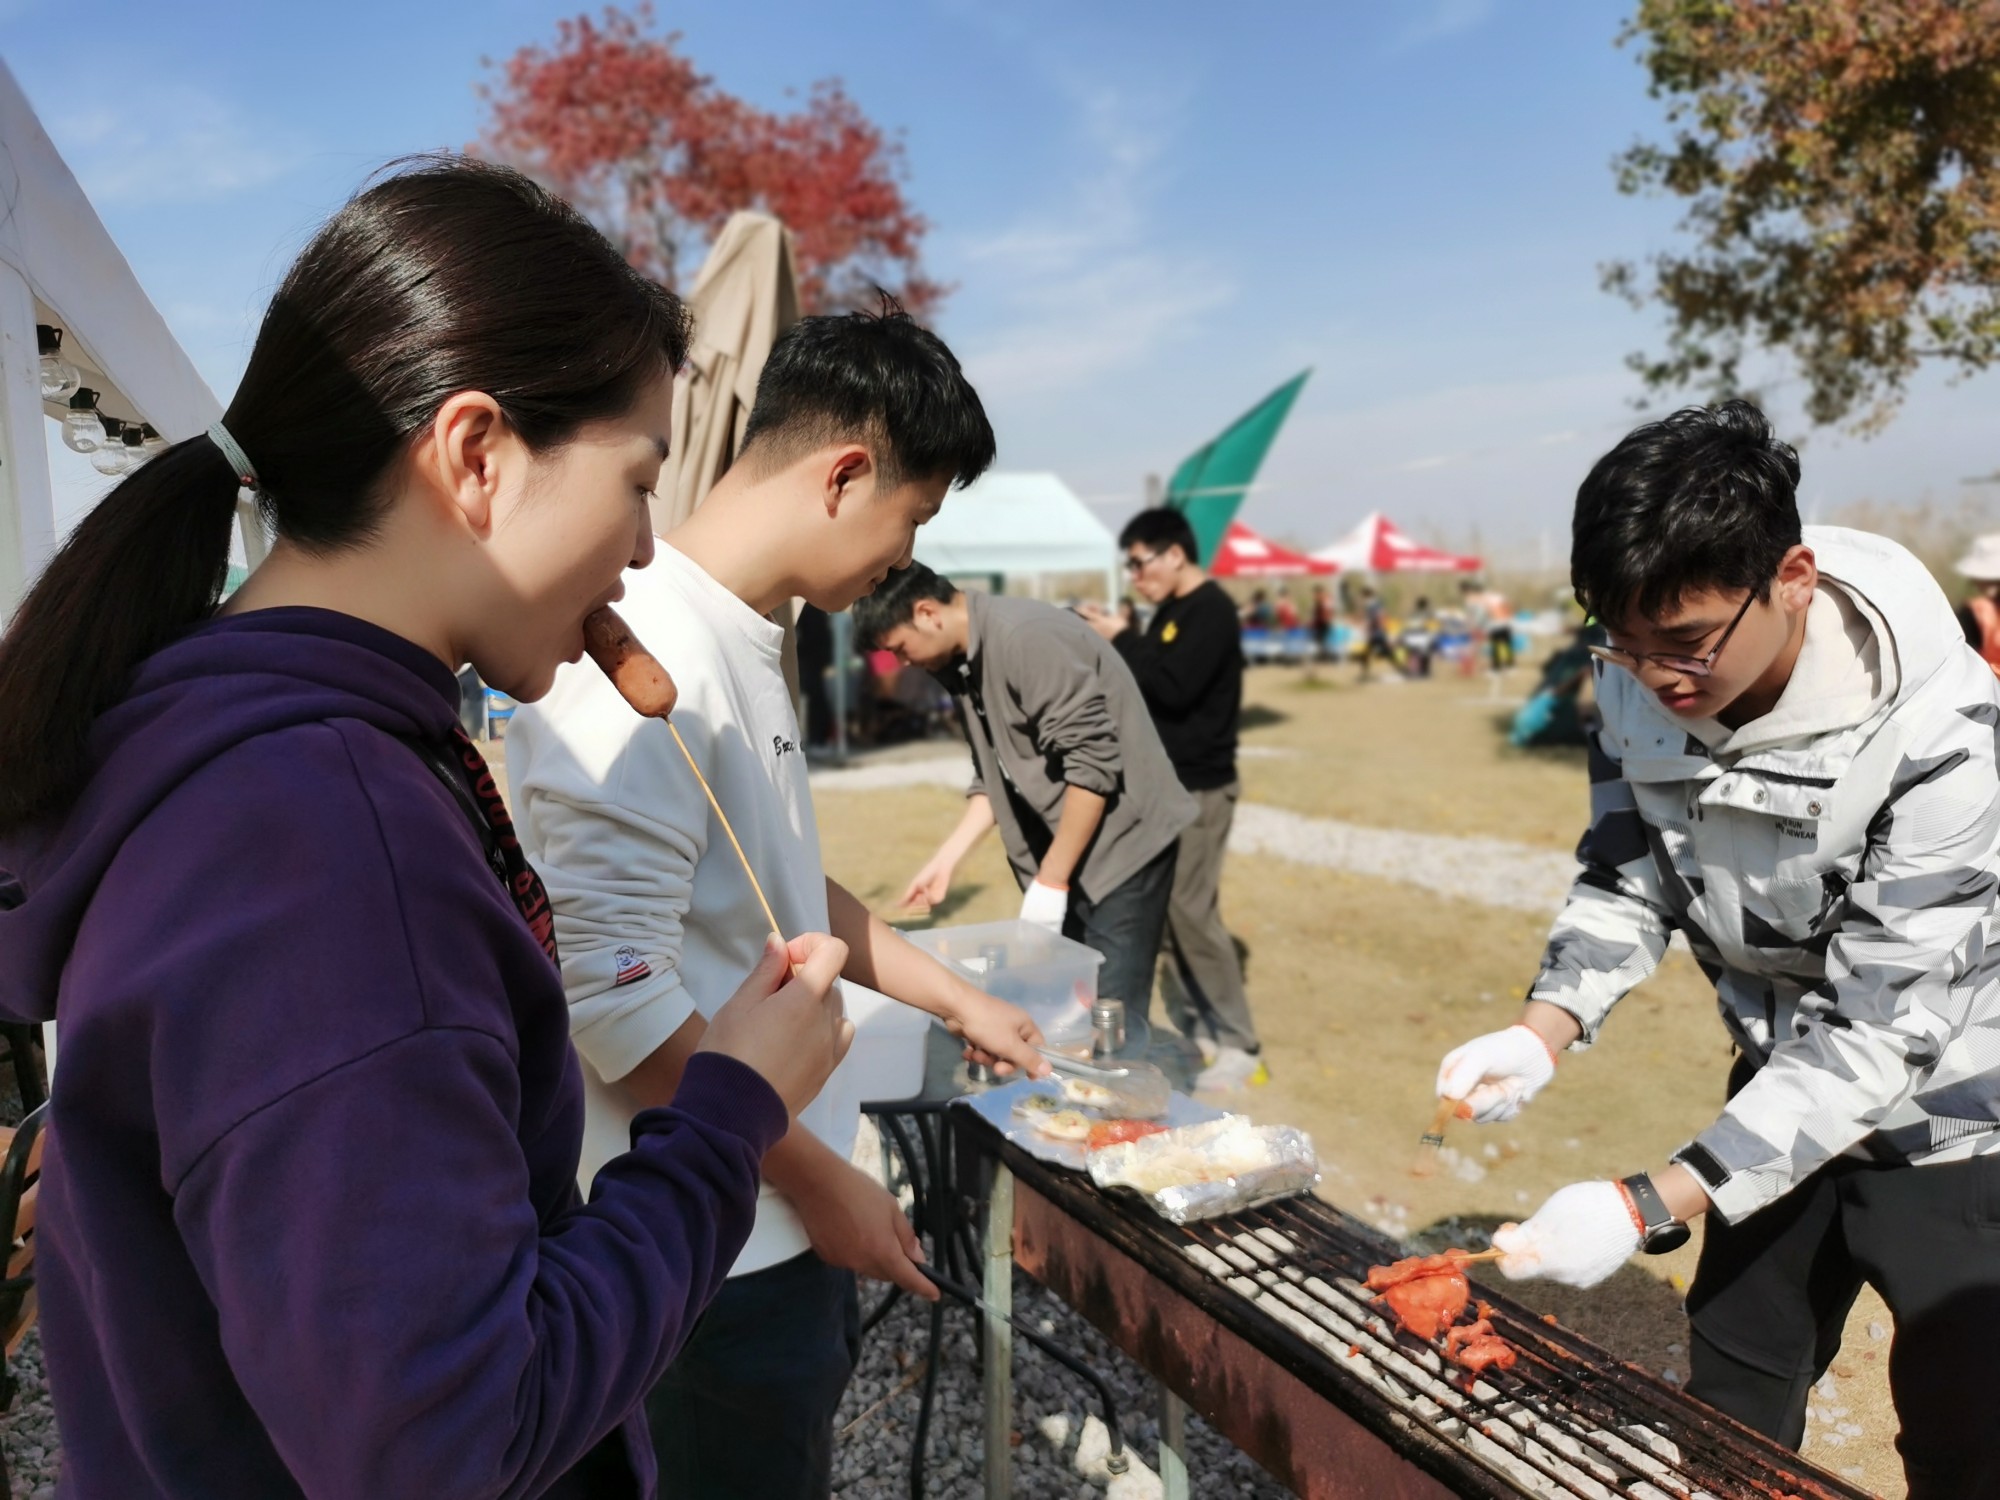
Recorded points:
1210,484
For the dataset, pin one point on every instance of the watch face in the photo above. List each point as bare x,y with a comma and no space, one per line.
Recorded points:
1666,1237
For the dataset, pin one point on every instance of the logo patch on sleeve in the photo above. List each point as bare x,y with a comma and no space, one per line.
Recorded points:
631,966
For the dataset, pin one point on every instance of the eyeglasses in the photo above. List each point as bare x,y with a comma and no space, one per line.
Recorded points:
1686,666
1138,564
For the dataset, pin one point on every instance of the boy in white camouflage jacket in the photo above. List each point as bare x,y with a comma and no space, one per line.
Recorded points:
1796,771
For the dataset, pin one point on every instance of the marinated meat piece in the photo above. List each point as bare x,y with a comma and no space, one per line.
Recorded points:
1483,1354
1428,1304
1478,1347
1465,1333
1381,1278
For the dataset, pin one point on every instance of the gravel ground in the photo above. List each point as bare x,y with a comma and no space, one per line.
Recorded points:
1493,872
28,1431
1059,1442
28,1428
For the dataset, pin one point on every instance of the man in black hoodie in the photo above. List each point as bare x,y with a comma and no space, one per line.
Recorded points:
1189,665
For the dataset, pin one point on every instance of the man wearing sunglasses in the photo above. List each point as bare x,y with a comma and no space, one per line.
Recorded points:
1796,771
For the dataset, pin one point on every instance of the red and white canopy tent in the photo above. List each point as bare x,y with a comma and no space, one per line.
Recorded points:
1376,546
1244,554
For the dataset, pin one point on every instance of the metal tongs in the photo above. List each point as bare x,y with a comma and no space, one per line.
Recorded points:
1140,1091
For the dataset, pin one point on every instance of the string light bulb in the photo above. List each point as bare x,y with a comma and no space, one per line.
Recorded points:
108,457
59,376
152,443
83,430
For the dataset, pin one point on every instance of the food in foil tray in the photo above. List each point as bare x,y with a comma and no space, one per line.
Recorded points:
1218,1167
1066,1125
1090,1095
1036,1106
1117,1132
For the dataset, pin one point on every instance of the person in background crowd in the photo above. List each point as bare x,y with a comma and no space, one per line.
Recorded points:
1418,639
1556,713
309,1221
1189,666
1320,622
1375,640
1797,773
862,424
1128,612
1259,615
1980,614
815,648
1287,613
1066,762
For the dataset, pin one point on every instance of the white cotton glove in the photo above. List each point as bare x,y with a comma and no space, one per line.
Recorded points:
1497,1074
1580,1236
1045,905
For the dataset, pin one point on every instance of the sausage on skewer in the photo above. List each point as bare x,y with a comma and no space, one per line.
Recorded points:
633,670
644,683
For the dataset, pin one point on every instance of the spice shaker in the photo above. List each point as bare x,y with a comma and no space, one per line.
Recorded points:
1107,1028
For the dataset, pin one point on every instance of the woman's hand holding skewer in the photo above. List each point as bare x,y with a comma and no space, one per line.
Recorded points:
793,1032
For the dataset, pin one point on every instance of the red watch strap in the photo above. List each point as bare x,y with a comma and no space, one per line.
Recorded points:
1632,1208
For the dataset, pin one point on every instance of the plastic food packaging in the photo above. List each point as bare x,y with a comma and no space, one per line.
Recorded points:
1203,1171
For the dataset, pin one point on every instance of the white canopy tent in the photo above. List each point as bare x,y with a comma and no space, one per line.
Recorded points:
1019,526
60,267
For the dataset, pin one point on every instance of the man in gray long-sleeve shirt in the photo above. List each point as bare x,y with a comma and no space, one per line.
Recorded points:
1065,760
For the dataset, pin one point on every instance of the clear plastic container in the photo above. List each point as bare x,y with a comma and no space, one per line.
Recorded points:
1053,979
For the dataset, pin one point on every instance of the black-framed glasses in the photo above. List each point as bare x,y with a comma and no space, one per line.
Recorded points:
1686,666
1137,565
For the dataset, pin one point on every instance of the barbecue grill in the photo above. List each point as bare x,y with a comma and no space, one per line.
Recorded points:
1261,1322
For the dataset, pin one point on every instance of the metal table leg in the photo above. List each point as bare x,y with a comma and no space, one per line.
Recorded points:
1173,1446
998,1364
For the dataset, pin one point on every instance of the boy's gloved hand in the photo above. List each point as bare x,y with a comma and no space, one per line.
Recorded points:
1045,905
1580,1236
1497,1074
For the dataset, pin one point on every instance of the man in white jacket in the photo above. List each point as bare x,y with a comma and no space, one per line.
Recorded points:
1796,771
860,427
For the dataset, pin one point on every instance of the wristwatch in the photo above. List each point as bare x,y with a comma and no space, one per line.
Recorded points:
1659,1230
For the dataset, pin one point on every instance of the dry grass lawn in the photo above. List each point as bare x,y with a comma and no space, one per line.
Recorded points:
1361,985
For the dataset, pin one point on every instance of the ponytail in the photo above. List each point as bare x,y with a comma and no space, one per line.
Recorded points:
146,564
447,275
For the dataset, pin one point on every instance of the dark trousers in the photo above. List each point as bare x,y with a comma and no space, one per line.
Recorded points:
1126,926
1771,1296
747,1409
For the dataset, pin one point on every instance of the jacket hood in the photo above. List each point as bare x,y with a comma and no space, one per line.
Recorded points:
1920,634
228,681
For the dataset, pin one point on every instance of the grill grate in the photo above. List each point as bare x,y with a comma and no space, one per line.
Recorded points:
1567,1421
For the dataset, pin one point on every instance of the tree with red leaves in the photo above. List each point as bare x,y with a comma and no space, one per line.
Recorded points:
617,120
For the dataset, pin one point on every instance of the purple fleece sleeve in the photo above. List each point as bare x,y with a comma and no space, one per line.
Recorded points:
389,1303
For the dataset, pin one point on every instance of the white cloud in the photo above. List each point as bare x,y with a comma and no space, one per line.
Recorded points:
151,144
1077,287
1439,20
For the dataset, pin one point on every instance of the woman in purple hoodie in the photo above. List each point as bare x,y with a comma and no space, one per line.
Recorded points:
309,1222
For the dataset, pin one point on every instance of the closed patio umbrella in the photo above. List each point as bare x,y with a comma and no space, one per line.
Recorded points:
746,296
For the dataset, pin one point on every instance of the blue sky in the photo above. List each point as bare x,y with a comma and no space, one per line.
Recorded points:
1154,213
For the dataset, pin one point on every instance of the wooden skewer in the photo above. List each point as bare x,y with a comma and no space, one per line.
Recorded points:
723,818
